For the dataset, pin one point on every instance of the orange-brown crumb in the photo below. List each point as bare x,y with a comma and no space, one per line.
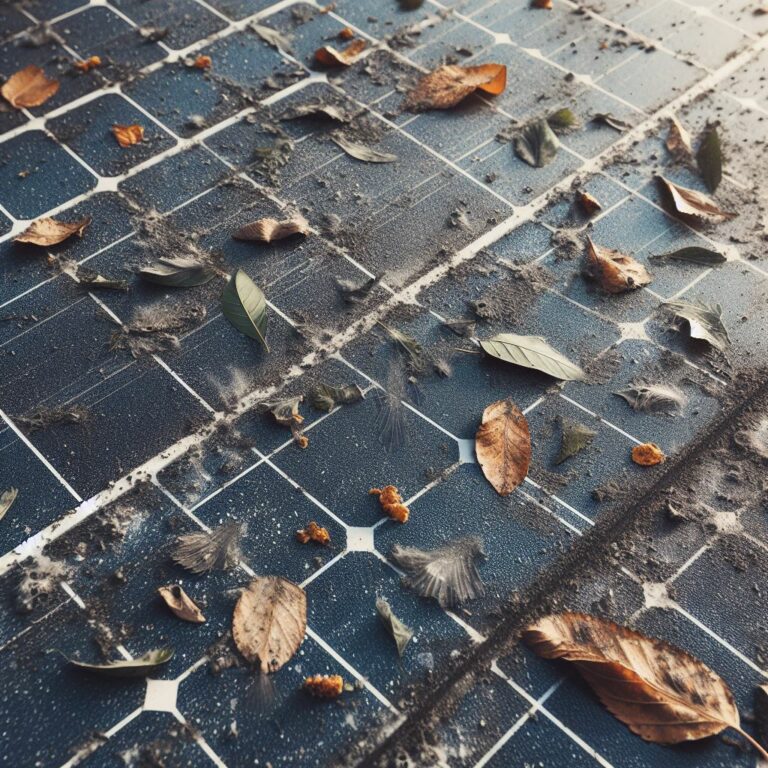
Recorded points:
313,532
324,686
127,135
392,503
346,33
88,64
203,62
647,455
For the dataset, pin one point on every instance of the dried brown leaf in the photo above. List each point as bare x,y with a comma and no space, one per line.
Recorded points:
181,604
269,621
678,141
29,87
7,497
329,56
503,446
446,86
128,135
589,204
49,231
614,271
692,205
268,230
662,693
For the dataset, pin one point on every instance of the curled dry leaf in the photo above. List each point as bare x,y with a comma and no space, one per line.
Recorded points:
614,271
50,231
329,56
606,118
268,230
448,574
531,352
181,604
177,272
590,205
401,633
662,693
204,551
29,87
313,532
693,206
269,622
142,666
128,135
446,86
503,446
678,141
361,151
705,321
648,455
7,497
324,686
392,502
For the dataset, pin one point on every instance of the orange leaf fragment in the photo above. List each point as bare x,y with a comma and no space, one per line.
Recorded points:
392,503
324,686
128,135
448,85
29,87
49,231
648,455
616,272
203,62
503,446
346,34
313,532
329,56
90,63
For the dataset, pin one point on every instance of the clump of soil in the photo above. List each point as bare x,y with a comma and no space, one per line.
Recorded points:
506,300
39,577
155,329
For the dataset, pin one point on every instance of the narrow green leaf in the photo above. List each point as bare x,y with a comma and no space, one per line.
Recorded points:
401,633
537,144
177,272
694,255
244,305
709,158
531,352
140,667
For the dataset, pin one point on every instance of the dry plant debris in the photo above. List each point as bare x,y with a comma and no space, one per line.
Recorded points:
268,230
181,604
178,272
286,413
537,144
705,321
49,231
694,255
648,455
574,438
328,56
324,686
662,693
142,666
204,551
325,397
448,85
29,87
7,497
203,62
692,206
709,158
361,151
392,503
614,271
128,135
678,141
503,446
88,64
589,204
269,622
313,532
401,633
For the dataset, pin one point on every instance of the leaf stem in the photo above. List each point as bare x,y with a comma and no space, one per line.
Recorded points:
466,351
753,742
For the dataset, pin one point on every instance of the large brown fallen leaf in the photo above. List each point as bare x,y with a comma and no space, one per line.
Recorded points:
448,85
128,135
29,87
692,205
269,621
49,231
503,446
267,230
329,56
663,694
614,271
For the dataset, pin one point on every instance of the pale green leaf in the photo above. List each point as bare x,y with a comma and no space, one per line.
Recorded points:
244,305
140,667
709,158
531,352
694,255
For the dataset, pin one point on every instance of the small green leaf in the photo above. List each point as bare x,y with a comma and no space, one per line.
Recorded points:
537,144
562,120
709,158
531,352
401,634
575,438
694,255
6,500
140,667
244,305
705,321
177,272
